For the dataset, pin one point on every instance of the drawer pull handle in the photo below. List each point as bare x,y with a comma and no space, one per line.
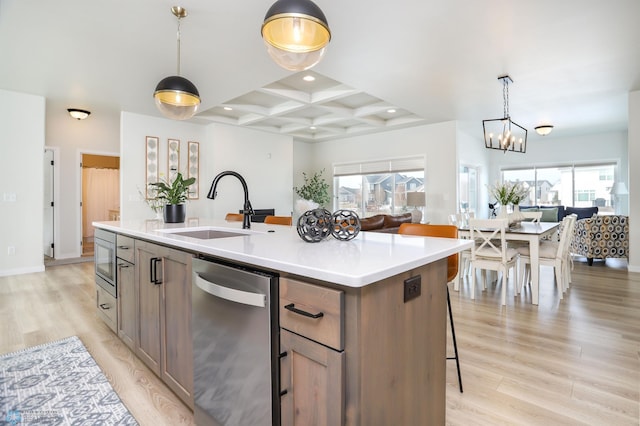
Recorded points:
122,265
104,306
123,247
283,354
291,307
283,393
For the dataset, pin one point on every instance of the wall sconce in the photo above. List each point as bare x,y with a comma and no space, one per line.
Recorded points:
78,114
544,130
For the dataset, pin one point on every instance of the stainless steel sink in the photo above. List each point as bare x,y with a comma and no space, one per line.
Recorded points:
208,234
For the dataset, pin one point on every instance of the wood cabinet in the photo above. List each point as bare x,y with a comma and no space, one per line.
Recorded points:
126,288
163,307
127,318
106,308
312,356
378,360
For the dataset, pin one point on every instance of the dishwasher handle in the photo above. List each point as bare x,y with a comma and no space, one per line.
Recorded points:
238,296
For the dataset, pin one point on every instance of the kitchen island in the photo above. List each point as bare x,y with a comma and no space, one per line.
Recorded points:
377,356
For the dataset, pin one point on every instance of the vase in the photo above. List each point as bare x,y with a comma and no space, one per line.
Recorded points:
174,213
503,213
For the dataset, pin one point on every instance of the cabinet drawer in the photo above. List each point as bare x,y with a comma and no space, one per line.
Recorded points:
125,248
107,309
300,301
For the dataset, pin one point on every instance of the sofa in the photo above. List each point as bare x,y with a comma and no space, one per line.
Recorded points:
384,222
557,213
600,237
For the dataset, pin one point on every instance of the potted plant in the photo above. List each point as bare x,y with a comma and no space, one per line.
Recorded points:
173,196
314,193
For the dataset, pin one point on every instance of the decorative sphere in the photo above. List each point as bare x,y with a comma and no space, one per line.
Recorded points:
314,225
345,225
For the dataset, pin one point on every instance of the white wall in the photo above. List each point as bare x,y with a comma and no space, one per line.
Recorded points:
436,142
22,135
634,181
134,128
98,134
264,160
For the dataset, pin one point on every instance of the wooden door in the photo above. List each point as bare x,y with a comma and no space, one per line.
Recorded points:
313,377
127,320
149,296
177,350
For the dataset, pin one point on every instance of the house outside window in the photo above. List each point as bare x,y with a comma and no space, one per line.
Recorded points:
378,187
571,185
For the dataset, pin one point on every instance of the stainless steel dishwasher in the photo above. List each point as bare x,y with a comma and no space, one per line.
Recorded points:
235,345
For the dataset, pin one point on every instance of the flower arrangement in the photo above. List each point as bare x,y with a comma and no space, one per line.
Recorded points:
315,188
509,192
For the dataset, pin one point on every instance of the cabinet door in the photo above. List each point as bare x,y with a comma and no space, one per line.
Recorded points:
127,321
313,377
149,296
177,350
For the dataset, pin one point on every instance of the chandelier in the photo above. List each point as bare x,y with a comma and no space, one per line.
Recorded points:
503,133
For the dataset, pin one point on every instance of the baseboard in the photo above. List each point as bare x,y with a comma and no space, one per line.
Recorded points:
633,268
21,271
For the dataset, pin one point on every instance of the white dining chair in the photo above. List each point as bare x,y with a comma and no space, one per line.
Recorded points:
464,265
531,216
491,253
551,253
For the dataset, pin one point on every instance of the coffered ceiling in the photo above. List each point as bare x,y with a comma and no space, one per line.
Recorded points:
311,107
572,62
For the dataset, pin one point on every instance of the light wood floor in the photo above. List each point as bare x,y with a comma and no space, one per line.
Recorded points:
575,361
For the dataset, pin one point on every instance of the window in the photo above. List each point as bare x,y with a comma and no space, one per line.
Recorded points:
468,189
378,187
571,185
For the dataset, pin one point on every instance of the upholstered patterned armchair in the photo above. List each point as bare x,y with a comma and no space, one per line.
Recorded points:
599,237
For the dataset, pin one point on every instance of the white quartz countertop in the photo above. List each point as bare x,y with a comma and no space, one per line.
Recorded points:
369,257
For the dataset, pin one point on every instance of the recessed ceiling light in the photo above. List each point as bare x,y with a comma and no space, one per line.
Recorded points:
312,127
391,110
228,108
308,78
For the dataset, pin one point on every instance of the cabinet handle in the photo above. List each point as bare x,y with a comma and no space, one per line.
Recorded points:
104,306
122,265
291,307
283,393
123,247
153,272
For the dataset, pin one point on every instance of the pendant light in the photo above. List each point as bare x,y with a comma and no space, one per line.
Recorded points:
504,133
296,34
176,97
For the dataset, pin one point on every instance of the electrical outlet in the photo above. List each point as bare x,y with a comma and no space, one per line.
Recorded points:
11,251
412,288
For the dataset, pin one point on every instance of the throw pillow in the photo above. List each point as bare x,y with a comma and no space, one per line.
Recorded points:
393,221
373,222
581,212
549,214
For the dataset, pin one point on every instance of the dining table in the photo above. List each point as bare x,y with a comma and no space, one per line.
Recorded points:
533,233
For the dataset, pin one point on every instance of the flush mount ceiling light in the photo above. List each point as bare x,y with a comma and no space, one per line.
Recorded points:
296,33
78,114
544,130
503,133
176,97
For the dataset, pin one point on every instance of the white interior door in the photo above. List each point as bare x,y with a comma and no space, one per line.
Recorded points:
48,247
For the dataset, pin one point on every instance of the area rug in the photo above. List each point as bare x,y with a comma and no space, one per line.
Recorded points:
58,383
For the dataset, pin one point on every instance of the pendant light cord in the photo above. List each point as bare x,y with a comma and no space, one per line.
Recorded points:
505,97
178,45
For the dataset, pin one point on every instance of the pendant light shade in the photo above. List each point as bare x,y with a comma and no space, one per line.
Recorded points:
296,34
176,97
